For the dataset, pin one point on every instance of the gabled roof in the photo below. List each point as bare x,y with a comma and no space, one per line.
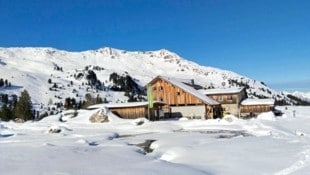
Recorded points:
188,89
250,101
221,91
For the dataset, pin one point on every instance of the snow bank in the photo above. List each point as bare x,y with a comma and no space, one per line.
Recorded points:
267,116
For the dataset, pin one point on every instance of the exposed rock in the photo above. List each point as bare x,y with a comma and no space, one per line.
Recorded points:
54,129
139,122
146,146
99,117
19,120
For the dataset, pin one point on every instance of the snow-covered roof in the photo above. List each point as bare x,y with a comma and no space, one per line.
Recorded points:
221,91
249,101
190,90
123,105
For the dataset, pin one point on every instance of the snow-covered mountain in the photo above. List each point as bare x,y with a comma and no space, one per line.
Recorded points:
302,95
51,75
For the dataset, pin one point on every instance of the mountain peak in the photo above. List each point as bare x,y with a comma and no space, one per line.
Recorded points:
31,67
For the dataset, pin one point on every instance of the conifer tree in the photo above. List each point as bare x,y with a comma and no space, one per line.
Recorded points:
5,113
88,100
5,99
99,100
1,82
23,107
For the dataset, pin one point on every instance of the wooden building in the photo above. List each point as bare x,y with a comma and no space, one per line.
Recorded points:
230,99
252,107
175,98
183,100
135,110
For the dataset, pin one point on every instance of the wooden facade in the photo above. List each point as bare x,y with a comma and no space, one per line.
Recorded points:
248,111
253,107
172,95
137,110
256,108
130,112
177,95
230,100
174,98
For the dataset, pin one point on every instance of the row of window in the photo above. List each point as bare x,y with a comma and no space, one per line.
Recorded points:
159,88
219,98
229,97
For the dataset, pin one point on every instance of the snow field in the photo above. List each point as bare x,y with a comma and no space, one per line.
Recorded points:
265,145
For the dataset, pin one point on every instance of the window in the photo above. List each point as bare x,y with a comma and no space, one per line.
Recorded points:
229,97
220,98
178,93
154,88
161,88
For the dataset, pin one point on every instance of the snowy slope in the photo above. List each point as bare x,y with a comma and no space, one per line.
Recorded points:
302,95
31,68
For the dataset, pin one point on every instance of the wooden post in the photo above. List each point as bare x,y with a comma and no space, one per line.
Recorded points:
148,113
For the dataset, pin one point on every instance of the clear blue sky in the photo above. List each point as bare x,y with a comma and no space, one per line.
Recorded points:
268,40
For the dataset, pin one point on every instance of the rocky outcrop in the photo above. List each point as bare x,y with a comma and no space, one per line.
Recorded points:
19,120
54,129
99,117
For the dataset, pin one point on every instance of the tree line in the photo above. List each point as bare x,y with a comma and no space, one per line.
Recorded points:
16,108
5,83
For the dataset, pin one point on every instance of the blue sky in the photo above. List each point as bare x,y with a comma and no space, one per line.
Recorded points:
267,40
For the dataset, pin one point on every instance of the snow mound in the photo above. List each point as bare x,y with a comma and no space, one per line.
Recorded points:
183,119
2,126
230,118
266,116
6,133
140,121
58,129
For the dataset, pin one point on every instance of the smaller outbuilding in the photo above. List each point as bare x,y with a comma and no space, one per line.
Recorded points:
230,98
135,110
253,107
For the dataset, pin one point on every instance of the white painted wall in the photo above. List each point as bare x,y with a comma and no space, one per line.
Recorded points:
189,111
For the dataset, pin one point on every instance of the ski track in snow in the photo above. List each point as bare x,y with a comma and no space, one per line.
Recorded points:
302,162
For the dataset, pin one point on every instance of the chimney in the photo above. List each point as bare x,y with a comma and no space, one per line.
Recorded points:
192,82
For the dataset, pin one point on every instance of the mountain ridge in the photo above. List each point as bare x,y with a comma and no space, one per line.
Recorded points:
302,95
31,67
